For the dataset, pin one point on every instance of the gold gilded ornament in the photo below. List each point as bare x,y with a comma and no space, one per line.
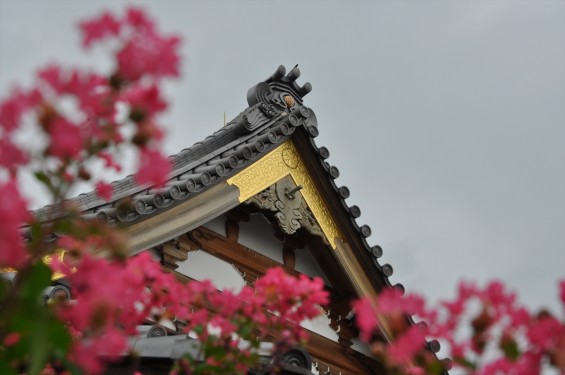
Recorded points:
281,162
289,101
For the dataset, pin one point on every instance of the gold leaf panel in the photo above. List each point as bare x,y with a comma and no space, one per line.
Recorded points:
281,162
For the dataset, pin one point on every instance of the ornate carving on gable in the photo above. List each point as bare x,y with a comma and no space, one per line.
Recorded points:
309,223
265,199
291,212
282,162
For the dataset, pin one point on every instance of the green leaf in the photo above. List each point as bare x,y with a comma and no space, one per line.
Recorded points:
245,330
464,362
204,368
38,278
39,345
44,179
41,332
436,367
36,233
509,347
5,368
3,286
45,338
63,226
60,338
215,351
69,366
48,338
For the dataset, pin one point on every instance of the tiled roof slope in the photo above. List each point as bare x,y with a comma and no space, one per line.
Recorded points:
275,112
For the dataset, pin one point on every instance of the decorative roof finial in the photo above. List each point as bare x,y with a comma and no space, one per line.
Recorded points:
277,87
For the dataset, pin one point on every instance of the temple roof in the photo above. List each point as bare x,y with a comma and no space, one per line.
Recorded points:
275,114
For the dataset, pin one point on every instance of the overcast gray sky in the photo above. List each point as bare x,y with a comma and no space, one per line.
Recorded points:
446,119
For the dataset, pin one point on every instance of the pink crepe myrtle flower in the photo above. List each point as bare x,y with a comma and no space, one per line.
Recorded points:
144,52
86,86
66,138
154,168
13,108
110,300
11,111
52,76
545,331
98,28
527,339
11,339
281,291
139,20
11,155
13,214
109,161
146,99
104,190
150,55
496,295
88,353
365,317
405,347
228,303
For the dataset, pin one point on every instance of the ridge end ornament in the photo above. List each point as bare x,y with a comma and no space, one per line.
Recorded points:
279,89
276,98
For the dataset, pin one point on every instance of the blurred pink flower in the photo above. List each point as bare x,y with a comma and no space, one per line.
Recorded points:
104,190
66,138
149,54
138,19
11,339
98,28
13,108
11,156
365,317
406,346
154,168
146,99
13,213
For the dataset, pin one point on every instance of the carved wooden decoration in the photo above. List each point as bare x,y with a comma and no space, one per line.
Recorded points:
286,162
291,211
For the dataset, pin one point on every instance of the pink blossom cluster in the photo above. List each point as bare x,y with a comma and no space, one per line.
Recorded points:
522,339
13,213
145,52
94,130
111,298
143,58
275,307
